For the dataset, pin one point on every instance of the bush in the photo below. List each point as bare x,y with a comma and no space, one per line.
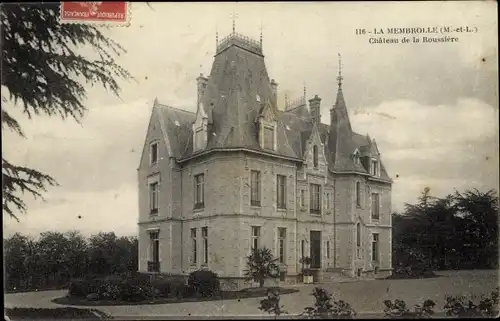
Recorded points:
325,308
204,282
460,306
169,287
398,309
135,289
271,304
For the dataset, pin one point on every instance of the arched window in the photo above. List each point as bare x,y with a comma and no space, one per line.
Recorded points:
358,234
315,156
358,193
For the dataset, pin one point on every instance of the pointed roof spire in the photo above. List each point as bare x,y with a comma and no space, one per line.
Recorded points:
340,78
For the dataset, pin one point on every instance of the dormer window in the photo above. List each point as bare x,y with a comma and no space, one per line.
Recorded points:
268,137
356,158
315,156
153,153
199,138
375,168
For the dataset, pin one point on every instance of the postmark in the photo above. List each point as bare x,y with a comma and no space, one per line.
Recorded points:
112,13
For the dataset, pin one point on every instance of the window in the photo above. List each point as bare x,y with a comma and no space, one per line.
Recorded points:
199,191
302,249
281,191
255,237
194,253
199,138
315,199
358,234
302,198
204,235
358,193
375,206
282,244
154,252
375,248
255,188
153,198
374,168
268,137
153,153
315,156
327,201
327,249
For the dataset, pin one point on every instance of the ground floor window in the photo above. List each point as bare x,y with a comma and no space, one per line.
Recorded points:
375,251
154,251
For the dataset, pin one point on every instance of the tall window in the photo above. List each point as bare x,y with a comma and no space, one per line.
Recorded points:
199,191
375,256
327,249
268,137
302,249
315,199
199,138
374,168
153,198
358,234
194,246
255,188
282,244
375,206
315,156
153,153
281,191
358,193
255,237
302,198
154,252
204,235
327,201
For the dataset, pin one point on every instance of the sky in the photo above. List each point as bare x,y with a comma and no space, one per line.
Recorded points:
432,107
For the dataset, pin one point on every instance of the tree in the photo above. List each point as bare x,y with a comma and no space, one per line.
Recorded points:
261,264
43,73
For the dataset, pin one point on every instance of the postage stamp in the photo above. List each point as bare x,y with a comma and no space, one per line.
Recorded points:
96,12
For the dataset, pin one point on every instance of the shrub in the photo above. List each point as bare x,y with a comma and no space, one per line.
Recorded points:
325,308
169,287
460,306
271,304
135,289
203,282
261,264
398,309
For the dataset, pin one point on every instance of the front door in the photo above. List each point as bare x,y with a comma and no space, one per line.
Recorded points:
315,249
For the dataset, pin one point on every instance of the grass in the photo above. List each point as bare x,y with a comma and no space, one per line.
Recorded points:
225,295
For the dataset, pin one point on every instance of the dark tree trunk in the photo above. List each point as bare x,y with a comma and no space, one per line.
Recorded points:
261,282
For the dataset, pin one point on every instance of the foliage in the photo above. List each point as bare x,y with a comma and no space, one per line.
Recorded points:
56,258
44,73
459,231
271,304
204,282
398,309
460,306
326,307
57,313
261,264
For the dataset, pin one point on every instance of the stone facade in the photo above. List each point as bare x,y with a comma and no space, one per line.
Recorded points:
216,232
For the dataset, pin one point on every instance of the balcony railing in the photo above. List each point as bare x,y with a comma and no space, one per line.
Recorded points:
153,266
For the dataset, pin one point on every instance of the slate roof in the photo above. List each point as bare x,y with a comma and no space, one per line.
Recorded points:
237,89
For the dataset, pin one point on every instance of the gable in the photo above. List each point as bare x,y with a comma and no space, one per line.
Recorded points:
154,133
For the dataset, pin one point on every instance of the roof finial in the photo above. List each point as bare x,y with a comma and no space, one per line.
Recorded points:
216,37
286,100
339,78
234,15
261,34
305,96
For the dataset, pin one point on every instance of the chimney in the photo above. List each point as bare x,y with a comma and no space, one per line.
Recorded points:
202,84
274,92
314,104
